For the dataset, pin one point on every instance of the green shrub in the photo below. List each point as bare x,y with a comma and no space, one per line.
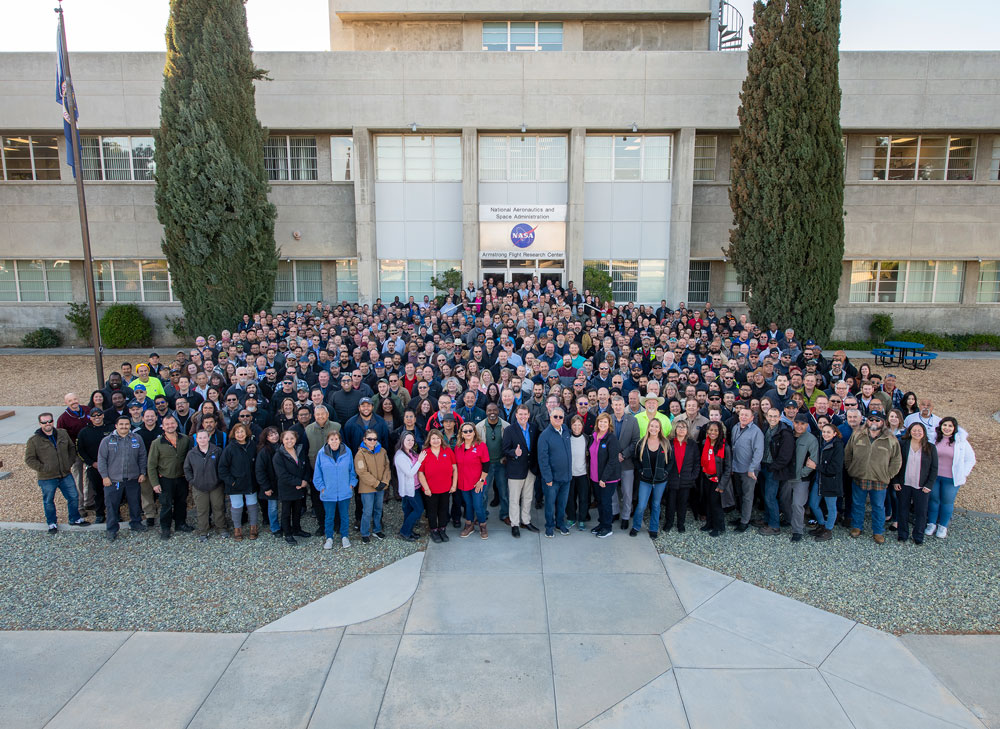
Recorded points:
597,281
124,325
177,325
932,342
79,317
880,327
42,338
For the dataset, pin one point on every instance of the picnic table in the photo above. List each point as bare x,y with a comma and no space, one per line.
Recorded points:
903,354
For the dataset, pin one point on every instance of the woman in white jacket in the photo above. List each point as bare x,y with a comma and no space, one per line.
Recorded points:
955,462
407,462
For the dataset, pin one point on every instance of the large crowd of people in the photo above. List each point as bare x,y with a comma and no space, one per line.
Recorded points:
557,410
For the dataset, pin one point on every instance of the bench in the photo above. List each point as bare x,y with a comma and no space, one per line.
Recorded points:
884,357
919,361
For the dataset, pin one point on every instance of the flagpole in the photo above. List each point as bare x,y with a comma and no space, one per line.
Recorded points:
88,263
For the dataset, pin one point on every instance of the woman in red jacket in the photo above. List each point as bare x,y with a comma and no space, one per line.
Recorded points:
716,469
473,460
438,477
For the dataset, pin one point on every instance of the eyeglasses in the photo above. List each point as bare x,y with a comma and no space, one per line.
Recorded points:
45,422
556,417
245,417
467,432
370,440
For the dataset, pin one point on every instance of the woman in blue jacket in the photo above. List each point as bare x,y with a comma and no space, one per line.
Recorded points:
335,478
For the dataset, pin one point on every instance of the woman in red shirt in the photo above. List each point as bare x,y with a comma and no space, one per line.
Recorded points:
716,469
438,477
473,459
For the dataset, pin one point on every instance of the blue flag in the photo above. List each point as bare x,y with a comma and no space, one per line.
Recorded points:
62,98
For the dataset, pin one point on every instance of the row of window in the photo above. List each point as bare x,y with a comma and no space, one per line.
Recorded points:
29,157
523,35
35,281
644,281
302,281
405,278
700,278
918,157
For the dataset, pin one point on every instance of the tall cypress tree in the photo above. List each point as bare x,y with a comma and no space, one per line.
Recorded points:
787,191
211,185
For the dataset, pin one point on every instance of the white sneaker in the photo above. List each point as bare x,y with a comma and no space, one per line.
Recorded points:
942,532
930,529
345,542
328,544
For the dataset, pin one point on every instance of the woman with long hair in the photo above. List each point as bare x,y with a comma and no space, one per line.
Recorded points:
97,401
291,466
438,476
909,404
605,470
408,461
424,412
268,442
829,483
683,475
955,462
472,458
335,479
236,471
653,456
390,413
914,482
578,504
716,471
286,419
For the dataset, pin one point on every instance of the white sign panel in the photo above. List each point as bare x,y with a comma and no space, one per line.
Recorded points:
522,239
514,213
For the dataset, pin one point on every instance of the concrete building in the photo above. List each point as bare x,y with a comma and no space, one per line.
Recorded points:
512,141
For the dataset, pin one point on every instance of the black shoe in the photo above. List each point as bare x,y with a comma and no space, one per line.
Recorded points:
529,527
380,535
796,537
734,522
632,533
595,530
741,527
111,536
918,543
140,527
891,527
366,540
681,529
817,530
614,518
320,531
457,523
278,534
706,528
653,535
407,537
604,533
444,535
100,520
625,524
150,522
301,533
495,502
715,533
515,532
164,535
184,528
435,536
291,540
415,534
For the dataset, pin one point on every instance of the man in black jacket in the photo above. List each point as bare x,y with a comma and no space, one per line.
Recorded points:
87,444
778,465
520,443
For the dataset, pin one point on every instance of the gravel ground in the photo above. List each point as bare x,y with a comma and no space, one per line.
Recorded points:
141,582
943,586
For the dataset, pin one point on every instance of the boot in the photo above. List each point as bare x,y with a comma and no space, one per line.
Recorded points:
467,530
254,530
482,532
237,534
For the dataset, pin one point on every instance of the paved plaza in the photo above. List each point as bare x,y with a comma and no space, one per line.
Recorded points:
530,633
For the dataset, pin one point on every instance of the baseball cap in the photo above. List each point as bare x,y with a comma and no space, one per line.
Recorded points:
302,386
138,386
811,343
134,404
791,404
876,415
802,418
380,364
364,400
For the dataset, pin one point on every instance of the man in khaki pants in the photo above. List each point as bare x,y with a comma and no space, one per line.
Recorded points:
201,469
519,443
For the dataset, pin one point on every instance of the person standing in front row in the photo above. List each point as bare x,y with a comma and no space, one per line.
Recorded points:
165,466
747,442
121,461
520,447
795,491
51,454
684,471
716,469
201,469
872,458
653,457
290,469
372,466
438,480
335,479
913,483
955,462
408,462
472,458
829,485
554,463
605,471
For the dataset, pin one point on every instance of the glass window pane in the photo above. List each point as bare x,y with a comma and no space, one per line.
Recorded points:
891,281
492,159
628,158
448,159
342,158
308,281
17,155
90,158
276,158
8,284
46,158
903,158
933,153
961,158
704,158
988,292
389,159
624,281
523,159
418,279
392,282
142,155
698,280
995,160
117,158
552,159
126,281
652,281
597,159
522,36
495,36
155,283
283,284
656,158
103,290
59,281
30,278
950,281
550,36
863,282
920,286
874,153
733,292
347,279
419,158
303,158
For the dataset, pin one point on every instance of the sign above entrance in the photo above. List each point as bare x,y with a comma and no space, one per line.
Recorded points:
516,213
524,240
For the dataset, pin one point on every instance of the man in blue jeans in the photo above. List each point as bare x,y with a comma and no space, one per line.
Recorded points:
554,461
51,454
872,458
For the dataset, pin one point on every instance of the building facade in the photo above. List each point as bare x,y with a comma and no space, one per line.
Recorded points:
512,142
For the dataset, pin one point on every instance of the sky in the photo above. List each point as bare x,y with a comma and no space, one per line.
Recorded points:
301,25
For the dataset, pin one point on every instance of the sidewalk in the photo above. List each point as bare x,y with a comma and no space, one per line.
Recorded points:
562,633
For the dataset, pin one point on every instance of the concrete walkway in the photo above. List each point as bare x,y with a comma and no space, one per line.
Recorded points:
530,633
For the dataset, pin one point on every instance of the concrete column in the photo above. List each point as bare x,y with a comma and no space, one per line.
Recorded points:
364,214
574,210
970,289
470,205
681,190
329,272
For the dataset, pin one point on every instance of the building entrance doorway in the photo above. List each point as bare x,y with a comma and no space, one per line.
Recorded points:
518,271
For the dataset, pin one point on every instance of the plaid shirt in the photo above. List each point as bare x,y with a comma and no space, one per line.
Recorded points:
868,485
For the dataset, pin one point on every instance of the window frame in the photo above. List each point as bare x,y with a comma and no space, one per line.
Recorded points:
19,294
540,140
537,47
904,281
993,281
995,160
113,281
714,157
103,169
288,157
350,265
436,174
438,266
707,280
31,156
730,283
887,170
643,175
297,298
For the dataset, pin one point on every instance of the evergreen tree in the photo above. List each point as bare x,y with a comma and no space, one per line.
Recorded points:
211,185
787,191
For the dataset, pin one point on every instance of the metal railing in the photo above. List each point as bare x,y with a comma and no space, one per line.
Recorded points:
730,27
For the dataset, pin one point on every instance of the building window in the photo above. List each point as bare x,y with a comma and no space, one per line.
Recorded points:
342,158
405,278
117,159
704,158
989,283
734,292
35,281
25,157
290,158
522,159
913,282
347,279
522,36
133,280
995,160
652,281
627,158
624,278
918,157
299,281
698,280
418,158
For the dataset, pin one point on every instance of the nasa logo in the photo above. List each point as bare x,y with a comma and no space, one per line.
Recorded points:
522,235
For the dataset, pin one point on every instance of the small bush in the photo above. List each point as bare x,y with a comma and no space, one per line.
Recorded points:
79,317
177,325
931,341
880,327
598,282
42,338
124,325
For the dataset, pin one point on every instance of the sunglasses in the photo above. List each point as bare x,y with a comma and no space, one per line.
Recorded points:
45,422
245,417
557,417
467,432
370,440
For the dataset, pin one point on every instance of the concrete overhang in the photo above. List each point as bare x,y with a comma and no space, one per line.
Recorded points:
351,10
